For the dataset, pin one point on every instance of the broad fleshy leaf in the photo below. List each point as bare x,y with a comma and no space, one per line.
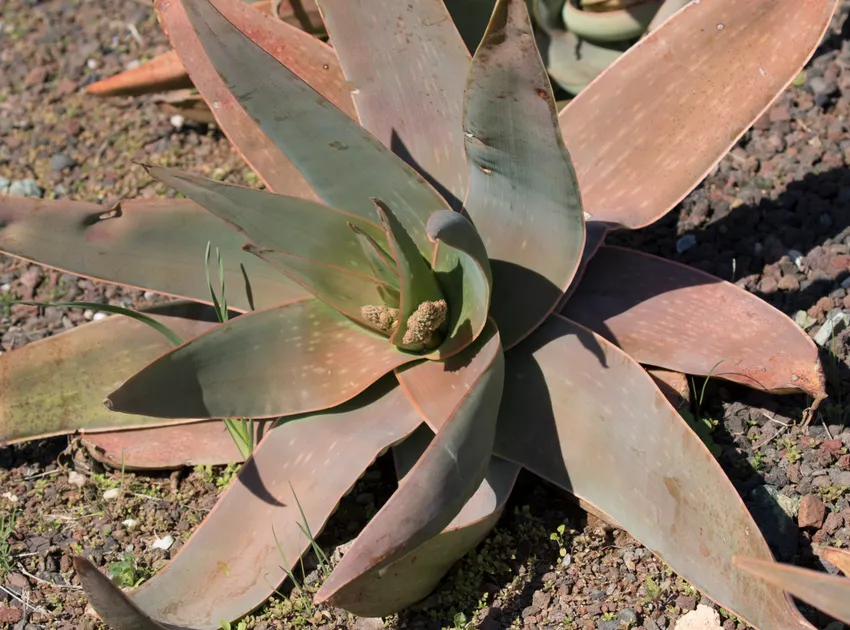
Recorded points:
838,557
595,233
294,358
412,577
447,474
169,447
674,386
57,385
523,195
166,72
829,593
666,314
147,244
407,87
462,268
108,601
312,60
575,405
317,457
633,168
341,289
344,164
416,280
309,242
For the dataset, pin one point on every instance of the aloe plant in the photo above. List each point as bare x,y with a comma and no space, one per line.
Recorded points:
427,272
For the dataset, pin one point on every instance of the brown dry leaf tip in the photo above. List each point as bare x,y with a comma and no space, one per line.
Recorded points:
383,318
427,318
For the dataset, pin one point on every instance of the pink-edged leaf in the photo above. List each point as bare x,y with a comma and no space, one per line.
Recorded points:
109,602
312,60
673,316
147,244
462,267
414,576
345,165
595,233
408,87
294,358
57,385
838,557
523,195
674,386
580,413
160,74
318,457
829,593
692,88
447,474
169,447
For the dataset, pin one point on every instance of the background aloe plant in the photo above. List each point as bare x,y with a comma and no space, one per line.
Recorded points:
459,185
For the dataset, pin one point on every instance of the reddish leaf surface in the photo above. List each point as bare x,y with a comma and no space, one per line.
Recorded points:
838,557
408,86
829,593
147,244
57,385
414,577
160,74
672,316
319,457
444,478
171,447
312,60
674,386
293,358
523,195
580,413
692,88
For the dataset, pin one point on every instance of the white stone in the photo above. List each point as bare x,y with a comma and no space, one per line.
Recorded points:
99,316
76,479
703,618
163,543
831,327
112,493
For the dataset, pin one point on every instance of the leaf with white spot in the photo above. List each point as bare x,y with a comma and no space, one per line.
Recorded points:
578,412
523,195
254,535
829,593
665,314
294,358
448,473
344,164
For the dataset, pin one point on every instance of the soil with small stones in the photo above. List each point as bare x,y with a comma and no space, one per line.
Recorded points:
773,217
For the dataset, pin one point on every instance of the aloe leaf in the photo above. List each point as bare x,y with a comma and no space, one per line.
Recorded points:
574,405
829,593
838,557
674,386
317,459
341,289
416,114
65,377
158,326
383,266
312,60
595,233
289,224
293,358
147,244
632,174
109,602
345,164
418,285
447,474
414,576
462,268
666,314
206,443
523,195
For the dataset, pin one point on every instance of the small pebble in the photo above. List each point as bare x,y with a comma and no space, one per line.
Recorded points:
76,479
685,243
831,327
25,188
163,543
99,316
112,493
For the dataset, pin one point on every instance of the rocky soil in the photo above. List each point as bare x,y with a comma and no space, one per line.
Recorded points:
774,217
